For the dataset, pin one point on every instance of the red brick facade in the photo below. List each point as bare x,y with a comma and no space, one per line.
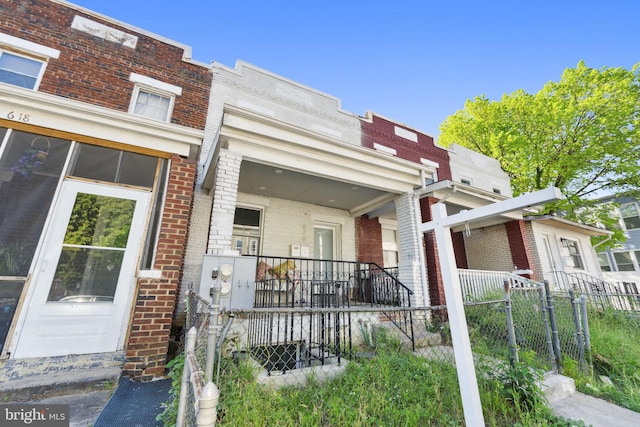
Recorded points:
519,246
369,240
97,71
382,131
146,351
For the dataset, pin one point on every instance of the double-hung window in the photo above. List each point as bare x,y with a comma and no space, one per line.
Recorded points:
573,251
22,63
630,216
19,70
152,98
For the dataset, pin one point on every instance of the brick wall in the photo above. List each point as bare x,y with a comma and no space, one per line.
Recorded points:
488,249
520,246
97,71
434,273
382,131
369,240
147,346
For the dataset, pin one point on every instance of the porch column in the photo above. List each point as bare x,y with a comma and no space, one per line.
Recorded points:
411,265
225,194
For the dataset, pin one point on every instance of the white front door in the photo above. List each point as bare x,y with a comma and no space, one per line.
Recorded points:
83,282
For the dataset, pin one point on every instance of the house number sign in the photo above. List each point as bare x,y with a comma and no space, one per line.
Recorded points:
18,116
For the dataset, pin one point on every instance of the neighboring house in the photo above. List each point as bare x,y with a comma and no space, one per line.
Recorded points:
622,263
288,173
100,126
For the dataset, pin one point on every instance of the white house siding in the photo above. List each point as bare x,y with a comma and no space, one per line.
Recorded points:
260,91
556,233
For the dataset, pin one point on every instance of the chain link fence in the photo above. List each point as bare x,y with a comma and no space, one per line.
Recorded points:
291,346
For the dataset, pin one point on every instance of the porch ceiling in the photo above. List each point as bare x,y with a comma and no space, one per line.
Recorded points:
273,181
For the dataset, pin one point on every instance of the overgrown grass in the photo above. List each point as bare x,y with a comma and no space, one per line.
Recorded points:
615,344
394,388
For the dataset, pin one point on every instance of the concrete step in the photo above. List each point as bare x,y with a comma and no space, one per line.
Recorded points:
41,386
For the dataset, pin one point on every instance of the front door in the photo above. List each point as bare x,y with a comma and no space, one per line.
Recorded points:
83,282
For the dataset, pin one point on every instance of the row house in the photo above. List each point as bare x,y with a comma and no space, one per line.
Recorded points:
130,173
100,127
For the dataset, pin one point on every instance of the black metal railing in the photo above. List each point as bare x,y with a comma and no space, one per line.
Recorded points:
290,283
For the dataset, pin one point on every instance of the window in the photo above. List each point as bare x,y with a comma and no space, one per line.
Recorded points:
497,191
152,98
573,254
390,247
466,181
603,260
19,70
624,262
246,231
23,69
629,213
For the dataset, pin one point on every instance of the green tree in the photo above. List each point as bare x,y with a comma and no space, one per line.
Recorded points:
579,134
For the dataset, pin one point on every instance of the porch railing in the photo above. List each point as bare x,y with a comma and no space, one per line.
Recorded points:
618,295
283,282
477,284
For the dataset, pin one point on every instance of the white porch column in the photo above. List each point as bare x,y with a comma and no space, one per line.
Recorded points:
225,194
411,265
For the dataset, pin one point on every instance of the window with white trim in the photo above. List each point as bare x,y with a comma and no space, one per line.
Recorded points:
624,261
23,62
20,70
152,98
390,246
603,260
574,257
630,216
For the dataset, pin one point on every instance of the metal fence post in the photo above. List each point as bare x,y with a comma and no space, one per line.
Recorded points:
547,328
511,333
585,323
212,335
207,406
192,336
554,327
577,324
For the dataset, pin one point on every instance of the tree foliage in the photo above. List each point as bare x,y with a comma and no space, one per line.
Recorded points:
579,134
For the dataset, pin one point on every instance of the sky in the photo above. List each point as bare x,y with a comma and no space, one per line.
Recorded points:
413,61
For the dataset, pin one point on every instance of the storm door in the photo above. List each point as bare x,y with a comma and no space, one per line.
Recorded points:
84,277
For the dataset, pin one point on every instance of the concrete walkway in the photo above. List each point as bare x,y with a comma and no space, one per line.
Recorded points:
566,402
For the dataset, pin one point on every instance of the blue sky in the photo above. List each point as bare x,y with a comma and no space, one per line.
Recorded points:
414,61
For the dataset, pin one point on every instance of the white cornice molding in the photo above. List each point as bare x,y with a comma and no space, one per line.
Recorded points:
72,116
269,141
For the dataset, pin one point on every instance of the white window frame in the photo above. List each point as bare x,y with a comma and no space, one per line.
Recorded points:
630,259
622,217
154,87
28,50
387,246
575,256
